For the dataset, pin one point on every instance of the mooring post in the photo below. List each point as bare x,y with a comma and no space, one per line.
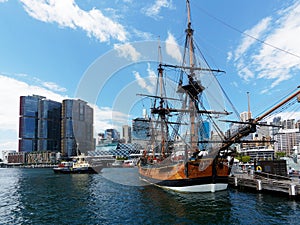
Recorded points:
292,190
259,186
235,182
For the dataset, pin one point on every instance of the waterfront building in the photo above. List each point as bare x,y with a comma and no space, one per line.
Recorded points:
28,123
100,139
288,124
245,116
286,140
126,133
45,157
258,153
49,125
17,158
39,124
276,126
117,149
76,127
297,124
141,131
5,154
112,135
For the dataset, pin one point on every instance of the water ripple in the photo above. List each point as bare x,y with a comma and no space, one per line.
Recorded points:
38,196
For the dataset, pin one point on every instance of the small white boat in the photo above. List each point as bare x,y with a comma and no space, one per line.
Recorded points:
117,163
129,163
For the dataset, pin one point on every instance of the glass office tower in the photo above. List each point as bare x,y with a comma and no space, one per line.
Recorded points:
141,128
49,126
28,123
39,124
77,128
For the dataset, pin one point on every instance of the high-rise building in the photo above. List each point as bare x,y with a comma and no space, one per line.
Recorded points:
289,124
76,128
286,140
277,123
245,116
39,124
141,131
49,125
28,123
112,135
126,133
297,124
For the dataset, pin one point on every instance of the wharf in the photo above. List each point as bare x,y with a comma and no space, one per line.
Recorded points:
263,182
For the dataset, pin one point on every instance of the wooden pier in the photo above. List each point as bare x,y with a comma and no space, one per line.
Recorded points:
266,183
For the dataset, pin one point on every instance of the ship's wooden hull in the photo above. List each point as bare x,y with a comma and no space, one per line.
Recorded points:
204,175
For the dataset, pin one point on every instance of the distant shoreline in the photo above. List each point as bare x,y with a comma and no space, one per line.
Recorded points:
31,166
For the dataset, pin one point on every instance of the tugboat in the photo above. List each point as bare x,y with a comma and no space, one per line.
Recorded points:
79,164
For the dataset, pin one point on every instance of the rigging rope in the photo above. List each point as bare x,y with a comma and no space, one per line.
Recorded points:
244,33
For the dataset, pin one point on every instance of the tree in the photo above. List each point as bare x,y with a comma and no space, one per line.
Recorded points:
246,158
280,154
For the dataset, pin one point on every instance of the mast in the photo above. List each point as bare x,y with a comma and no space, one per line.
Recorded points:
189,31
162,114
189,41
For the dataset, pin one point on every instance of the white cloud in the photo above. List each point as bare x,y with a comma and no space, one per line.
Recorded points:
277,59
235,84
148,83
11,90
105,118
127,51
247,41
68,14
154,10
152,77
141,82
172,48
1,1
142,35
54,87
229,56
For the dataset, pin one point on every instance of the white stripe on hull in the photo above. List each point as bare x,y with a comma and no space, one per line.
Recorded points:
196,188
200,188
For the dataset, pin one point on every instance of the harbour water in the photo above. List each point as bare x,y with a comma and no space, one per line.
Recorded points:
117,196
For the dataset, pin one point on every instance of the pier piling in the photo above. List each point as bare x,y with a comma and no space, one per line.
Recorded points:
263,183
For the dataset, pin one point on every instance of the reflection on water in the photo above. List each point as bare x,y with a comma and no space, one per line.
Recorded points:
188,208
38,196
124,176
9,195
35,195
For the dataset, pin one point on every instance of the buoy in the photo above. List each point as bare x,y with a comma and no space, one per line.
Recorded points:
258,168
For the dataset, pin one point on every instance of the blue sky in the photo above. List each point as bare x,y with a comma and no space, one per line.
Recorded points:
51,47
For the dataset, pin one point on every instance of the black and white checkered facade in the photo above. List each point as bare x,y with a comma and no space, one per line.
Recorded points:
116,150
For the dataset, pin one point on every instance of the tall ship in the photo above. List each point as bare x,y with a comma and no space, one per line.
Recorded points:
190,145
